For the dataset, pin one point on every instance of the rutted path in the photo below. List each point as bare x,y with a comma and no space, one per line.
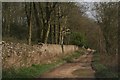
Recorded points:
79,68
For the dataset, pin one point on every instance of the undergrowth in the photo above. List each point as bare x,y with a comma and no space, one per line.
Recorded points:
102,71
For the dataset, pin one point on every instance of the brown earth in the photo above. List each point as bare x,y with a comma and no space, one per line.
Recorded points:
78,68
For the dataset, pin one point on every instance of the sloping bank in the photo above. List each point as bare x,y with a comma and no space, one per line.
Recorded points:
102,71
18,56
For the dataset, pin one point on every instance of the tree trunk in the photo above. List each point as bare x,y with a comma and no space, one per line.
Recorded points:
29,21
30,30
62,43
48,17
47,34
60,27
37,22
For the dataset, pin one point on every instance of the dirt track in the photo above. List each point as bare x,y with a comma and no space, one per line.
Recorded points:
79,68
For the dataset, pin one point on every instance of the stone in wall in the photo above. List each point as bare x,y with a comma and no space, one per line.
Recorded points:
22,55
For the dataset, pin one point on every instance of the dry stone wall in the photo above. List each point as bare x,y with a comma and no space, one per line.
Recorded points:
22,55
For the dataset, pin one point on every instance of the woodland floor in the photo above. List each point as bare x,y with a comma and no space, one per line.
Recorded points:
78,68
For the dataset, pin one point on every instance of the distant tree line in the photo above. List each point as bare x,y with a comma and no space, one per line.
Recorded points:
46,22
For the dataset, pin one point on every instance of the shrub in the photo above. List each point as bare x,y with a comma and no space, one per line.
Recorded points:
78,39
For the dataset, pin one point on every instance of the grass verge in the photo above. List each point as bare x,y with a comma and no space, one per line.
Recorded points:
36,70
30,72
101,70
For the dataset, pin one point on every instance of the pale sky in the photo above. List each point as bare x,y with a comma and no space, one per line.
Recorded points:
60,0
